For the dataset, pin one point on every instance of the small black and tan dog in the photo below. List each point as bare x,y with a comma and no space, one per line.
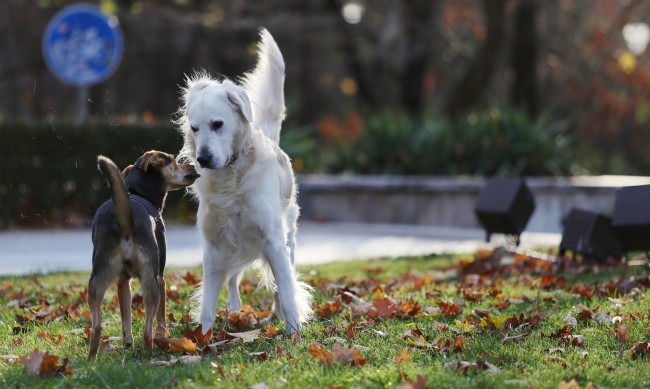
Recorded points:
128,237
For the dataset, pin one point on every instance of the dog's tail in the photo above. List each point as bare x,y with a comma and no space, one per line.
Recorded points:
303,291
121,203
265,87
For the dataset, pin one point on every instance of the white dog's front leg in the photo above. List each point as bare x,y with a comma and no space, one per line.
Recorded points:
234,301
278,258
214,276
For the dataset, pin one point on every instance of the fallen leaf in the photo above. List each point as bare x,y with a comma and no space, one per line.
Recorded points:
197,335
191,278
585,315
639,350
459,343
570,320
554,359
603,318
329,309
419,383
219,369
403,357
382,308
179,345
318,351
346,355
573,384
466,367
623,333
189,359
44,364
261,355
248,336
450,309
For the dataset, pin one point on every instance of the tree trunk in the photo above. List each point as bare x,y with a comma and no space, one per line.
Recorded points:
480,72
523,92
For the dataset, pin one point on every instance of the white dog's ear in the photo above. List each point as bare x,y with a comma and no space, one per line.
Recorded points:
239,99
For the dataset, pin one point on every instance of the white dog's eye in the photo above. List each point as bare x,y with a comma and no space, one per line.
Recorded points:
217,124
194,129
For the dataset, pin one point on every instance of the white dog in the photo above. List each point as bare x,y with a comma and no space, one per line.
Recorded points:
247,192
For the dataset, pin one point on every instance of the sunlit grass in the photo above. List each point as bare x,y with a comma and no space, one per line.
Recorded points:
521,363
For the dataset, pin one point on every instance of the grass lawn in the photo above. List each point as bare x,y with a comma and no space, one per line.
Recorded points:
493,319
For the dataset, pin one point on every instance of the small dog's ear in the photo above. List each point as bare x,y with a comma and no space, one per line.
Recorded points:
147,159
126,170
239,99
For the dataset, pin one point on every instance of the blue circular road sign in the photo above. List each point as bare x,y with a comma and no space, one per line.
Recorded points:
82,45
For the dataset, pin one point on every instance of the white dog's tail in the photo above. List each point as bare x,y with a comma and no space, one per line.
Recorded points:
265,87
303,292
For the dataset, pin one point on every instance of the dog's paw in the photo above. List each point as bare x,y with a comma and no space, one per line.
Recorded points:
128,342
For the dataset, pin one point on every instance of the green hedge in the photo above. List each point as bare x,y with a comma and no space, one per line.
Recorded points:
49,177
493,142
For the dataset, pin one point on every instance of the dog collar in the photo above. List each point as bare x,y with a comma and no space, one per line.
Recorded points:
148,205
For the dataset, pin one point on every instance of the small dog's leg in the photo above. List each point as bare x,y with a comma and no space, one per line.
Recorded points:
214,276
151,296
124,298
161,317
96,288
234,300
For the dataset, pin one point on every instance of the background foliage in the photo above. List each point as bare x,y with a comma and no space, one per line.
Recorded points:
50,178
567,60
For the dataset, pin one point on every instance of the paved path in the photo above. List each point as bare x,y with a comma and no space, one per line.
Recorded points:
24,252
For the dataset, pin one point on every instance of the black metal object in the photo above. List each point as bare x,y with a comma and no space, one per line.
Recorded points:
590,234
631,219
504,206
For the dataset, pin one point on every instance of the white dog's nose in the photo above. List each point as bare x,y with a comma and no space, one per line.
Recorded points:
204,158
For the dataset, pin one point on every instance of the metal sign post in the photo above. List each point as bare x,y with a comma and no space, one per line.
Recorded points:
82,47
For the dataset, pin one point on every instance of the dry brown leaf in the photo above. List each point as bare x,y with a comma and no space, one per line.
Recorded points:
181,345
403,358
346,355
44,364
382,308
641,349
261,355
318,351
450,309
197,335
573,384
420,383
623,333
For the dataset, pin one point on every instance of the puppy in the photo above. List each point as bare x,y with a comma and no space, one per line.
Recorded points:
247,196
128,237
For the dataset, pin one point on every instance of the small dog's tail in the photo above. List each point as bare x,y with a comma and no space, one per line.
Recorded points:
119,193
265,87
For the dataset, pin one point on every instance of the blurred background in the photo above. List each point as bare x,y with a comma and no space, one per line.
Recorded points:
411,87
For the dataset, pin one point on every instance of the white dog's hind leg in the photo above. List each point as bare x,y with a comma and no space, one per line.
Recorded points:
214,276
234,301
